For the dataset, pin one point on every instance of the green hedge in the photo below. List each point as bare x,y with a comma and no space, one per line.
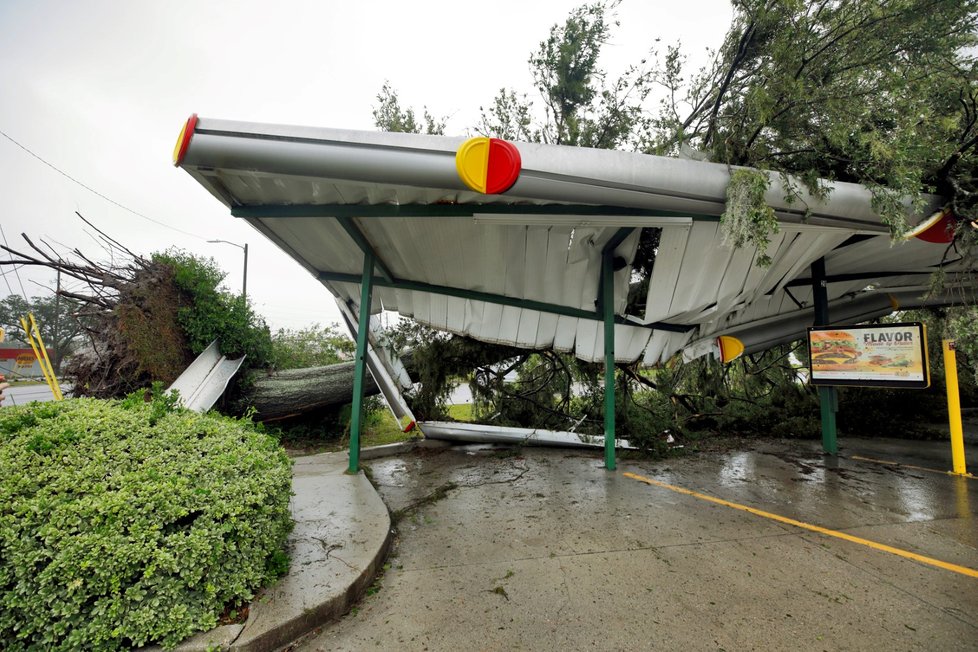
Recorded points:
124,523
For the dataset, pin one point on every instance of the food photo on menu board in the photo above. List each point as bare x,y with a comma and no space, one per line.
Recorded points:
881,355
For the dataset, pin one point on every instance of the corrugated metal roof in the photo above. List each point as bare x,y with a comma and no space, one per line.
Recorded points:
542,241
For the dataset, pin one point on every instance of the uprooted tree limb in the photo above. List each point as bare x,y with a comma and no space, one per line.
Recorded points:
136,333
129,309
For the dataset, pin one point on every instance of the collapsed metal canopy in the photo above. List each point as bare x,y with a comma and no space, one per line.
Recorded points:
547,264
523,268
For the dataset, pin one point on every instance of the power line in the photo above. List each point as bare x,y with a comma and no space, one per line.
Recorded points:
10,290
16,272
96,192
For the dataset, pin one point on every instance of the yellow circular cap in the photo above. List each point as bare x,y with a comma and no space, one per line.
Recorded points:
730,348
472,163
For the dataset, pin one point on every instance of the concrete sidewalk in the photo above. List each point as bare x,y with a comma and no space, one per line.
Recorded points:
530,549
507,549
341,537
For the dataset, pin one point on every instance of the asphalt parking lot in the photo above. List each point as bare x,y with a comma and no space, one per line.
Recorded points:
777,548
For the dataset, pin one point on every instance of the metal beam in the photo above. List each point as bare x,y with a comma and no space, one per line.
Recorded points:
449,210
607,300
844,278
360,369
617,239
358,237
828,397
499,299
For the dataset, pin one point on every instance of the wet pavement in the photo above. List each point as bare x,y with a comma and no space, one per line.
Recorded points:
19,394
533,549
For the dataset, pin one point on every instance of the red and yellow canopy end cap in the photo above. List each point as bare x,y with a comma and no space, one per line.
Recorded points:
937,229
488,165
183,140
730,348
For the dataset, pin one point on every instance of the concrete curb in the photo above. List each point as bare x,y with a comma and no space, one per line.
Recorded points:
400,448
342,536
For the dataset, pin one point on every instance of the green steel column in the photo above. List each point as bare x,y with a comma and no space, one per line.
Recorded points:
608,310
828,397
360,370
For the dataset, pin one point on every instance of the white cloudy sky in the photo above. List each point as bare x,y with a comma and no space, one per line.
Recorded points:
100,89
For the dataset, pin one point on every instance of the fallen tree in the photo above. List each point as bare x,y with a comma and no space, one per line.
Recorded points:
144,318
290,393
282,394
147,318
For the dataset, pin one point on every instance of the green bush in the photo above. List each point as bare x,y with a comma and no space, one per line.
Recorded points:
207,312
128,522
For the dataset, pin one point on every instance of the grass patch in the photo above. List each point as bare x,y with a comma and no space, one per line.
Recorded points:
461,412
379,429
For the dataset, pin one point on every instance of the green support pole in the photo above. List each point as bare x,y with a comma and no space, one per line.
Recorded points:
608,310
360,370
828,397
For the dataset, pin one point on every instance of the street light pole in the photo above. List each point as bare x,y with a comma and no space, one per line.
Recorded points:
244,283
244,247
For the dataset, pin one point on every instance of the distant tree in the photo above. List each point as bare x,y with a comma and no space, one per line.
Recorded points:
389,116
580,108
313,346
509,117
58,320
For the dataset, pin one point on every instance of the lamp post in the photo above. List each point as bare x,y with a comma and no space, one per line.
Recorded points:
244,247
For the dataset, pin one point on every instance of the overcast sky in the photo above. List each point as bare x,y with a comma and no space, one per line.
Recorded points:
100,89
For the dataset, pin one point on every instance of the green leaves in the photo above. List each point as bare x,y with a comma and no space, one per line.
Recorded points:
871,92
389,116
124,523
747,218
580,108
207,312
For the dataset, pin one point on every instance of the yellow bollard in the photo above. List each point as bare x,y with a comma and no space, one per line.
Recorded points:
954,409
55,386
37,345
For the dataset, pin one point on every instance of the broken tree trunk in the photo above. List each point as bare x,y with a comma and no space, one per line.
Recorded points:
292,392
289,393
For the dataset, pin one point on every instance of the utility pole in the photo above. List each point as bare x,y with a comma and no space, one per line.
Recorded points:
244,282
57,318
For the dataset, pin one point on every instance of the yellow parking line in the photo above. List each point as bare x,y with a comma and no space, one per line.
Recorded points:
909,466
963,570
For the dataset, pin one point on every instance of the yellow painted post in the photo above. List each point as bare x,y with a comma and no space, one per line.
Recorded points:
954,409
55,386
37,345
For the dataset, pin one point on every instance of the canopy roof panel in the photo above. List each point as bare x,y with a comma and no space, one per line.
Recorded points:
523,268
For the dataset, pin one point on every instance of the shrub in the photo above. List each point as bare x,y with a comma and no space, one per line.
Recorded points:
129,522
207,312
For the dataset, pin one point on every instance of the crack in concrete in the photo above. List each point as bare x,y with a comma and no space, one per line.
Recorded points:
441,492
330,548
880,578
609,551
566,602
523,471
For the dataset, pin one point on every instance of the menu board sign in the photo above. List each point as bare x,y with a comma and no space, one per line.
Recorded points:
882,355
